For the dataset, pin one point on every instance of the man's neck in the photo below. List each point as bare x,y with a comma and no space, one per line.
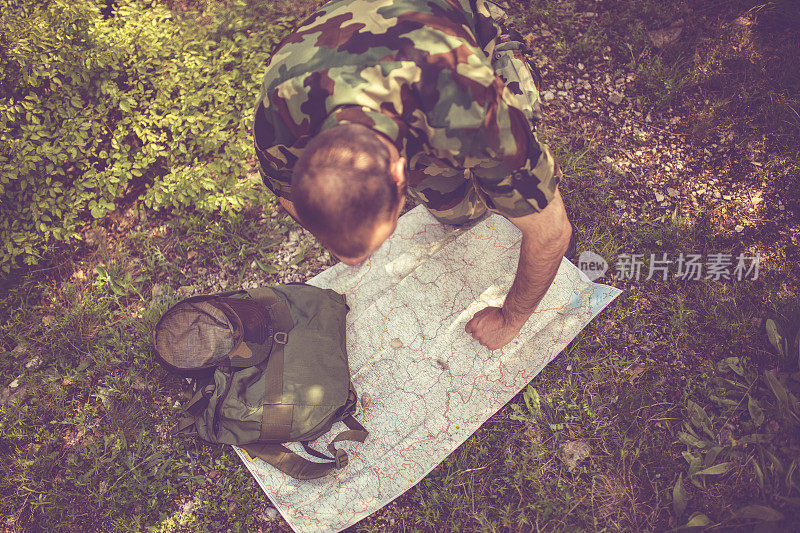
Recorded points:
394,154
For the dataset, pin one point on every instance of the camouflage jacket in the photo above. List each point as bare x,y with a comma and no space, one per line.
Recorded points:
422,74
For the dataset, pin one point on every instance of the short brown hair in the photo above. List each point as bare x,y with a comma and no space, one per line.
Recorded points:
342,187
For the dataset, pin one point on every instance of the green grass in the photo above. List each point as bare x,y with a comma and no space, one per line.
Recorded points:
661,379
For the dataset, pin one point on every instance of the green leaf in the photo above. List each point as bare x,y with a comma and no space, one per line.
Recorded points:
269,269
776,336
778,390
777,466
699,418
759,474
715,470
756,413
759,512
695,464
297,258
691,441
791,501
731,363
789,480
722,401
679,497
756,438
698,520
711,455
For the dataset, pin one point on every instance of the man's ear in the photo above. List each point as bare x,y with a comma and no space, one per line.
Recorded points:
399,171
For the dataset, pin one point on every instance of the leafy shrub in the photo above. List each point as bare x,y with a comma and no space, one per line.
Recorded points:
96,109
744,437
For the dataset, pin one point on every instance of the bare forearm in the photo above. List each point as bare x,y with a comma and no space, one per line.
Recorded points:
545,238
538,264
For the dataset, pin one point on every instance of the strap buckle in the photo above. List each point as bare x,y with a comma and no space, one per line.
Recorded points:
281,337
341,459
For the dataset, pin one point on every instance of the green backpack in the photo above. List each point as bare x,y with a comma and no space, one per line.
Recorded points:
269,367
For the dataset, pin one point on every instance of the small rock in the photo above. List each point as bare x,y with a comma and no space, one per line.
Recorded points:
581,66
105,396
19,349
271,513
673,192
49,319
548,96
14,384
396,343
567,85
607,160
573,452
615,98
17,397
659,197
665,37
34,362
739,228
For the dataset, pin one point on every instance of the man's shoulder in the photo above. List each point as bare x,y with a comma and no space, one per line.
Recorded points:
346,33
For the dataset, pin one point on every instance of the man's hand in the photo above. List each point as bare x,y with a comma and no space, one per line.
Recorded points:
492,328
545,237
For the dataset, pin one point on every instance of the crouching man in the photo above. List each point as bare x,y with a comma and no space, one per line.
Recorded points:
370,101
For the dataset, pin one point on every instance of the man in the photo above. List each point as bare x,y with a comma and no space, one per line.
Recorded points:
370,100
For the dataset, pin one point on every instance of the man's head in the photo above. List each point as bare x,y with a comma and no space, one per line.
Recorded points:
348,188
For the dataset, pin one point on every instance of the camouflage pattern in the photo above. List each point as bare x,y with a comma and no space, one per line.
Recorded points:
439,78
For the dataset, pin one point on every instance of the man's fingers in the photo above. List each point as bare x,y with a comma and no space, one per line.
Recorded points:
473,323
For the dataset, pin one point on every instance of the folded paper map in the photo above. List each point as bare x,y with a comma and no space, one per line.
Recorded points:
425,384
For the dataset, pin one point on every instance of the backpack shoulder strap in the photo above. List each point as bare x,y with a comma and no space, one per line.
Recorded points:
292,464
298,467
